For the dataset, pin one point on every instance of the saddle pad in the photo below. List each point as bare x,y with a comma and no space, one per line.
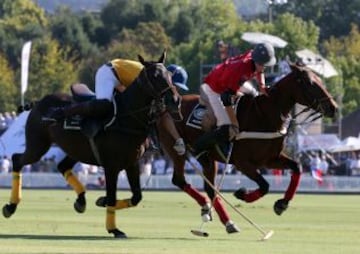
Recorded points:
73,123
196,116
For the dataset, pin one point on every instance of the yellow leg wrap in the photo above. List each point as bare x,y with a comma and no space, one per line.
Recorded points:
110,217
74,182
16,188
124,203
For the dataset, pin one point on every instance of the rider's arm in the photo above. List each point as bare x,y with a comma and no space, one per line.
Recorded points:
260,78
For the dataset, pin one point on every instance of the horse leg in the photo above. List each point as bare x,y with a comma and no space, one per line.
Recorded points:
178,179
65,168
285,162
210,171
19,160
252,195
111,177
133,175
135,188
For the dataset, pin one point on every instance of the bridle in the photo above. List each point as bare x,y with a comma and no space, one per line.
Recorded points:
314,103
157,104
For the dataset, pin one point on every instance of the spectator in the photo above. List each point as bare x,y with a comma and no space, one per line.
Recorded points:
315,169
159,165
5,165
324,165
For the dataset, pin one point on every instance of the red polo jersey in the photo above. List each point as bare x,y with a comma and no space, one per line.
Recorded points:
230,74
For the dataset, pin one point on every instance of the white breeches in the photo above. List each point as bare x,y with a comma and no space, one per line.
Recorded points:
105,83
213,102
247,88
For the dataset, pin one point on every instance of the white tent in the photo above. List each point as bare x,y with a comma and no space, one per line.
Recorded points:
13,140
348,144
317,142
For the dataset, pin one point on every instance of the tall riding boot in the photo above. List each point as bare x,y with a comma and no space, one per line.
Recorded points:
92,108
208,140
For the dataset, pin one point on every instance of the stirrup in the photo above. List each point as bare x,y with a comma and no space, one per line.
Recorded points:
48,119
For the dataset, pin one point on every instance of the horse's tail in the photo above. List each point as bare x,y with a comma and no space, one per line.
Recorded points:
26,107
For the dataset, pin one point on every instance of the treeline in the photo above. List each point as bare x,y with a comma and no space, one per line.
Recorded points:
68,47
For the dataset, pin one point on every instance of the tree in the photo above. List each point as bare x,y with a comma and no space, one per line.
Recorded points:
147,39
332,16
20,21
49,72
67,29
344,52
8,86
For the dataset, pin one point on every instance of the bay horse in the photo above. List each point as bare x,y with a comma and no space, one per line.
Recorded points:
264,115
115,148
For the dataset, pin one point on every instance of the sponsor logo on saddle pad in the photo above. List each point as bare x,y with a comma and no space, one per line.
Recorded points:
73,123
196,117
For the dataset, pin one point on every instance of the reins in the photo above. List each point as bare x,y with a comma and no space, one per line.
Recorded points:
154,108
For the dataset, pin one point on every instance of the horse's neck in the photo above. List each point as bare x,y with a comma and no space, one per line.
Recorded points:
133,106
263,113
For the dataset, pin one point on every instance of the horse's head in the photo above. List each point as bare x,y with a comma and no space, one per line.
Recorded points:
312,93
160,87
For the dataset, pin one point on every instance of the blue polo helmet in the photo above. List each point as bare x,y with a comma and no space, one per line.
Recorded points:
179,76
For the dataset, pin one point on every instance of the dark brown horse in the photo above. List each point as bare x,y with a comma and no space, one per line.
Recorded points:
115,148
265,115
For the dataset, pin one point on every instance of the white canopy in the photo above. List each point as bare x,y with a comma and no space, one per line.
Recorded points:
13,140
255,38
317,142
317,63
348,144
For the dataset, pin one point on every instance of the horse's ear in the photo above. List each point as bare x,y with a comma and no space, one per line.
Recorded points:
141,59
162,57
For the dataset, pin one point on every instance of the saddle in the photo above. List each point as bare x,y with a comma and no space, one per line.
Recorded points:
89,126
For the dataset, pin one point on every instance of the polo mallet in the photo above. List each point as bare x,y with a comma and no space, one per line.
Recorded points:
200,231
265,235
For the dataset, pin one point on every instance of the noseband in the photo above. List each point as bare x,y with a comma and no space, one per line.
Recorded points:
314,103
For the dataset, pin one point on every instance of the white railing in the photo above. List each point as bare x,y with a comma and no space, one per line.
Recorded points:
342,184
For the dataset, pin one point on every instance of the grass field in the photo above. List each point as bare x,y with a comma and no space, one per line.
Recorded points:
45,222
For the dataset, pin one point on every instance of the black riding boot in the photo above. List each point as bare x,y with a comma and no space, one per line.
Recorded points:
92,108
208,140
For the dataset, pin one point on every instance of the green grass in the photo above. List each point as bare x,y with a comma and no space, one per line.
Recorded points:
45,222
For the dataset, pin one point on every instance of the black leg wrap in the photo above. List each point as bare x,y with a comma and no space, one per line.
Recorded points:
240,193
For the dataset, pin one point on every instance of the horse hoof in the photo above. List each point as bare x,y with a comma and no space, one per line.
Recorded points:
80,208
240,193
80,203
101,202
232,228
117,233
280,206
8,210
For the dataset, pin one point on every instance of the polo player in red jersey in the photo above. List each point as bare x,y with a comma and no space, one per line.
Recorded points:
226,80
